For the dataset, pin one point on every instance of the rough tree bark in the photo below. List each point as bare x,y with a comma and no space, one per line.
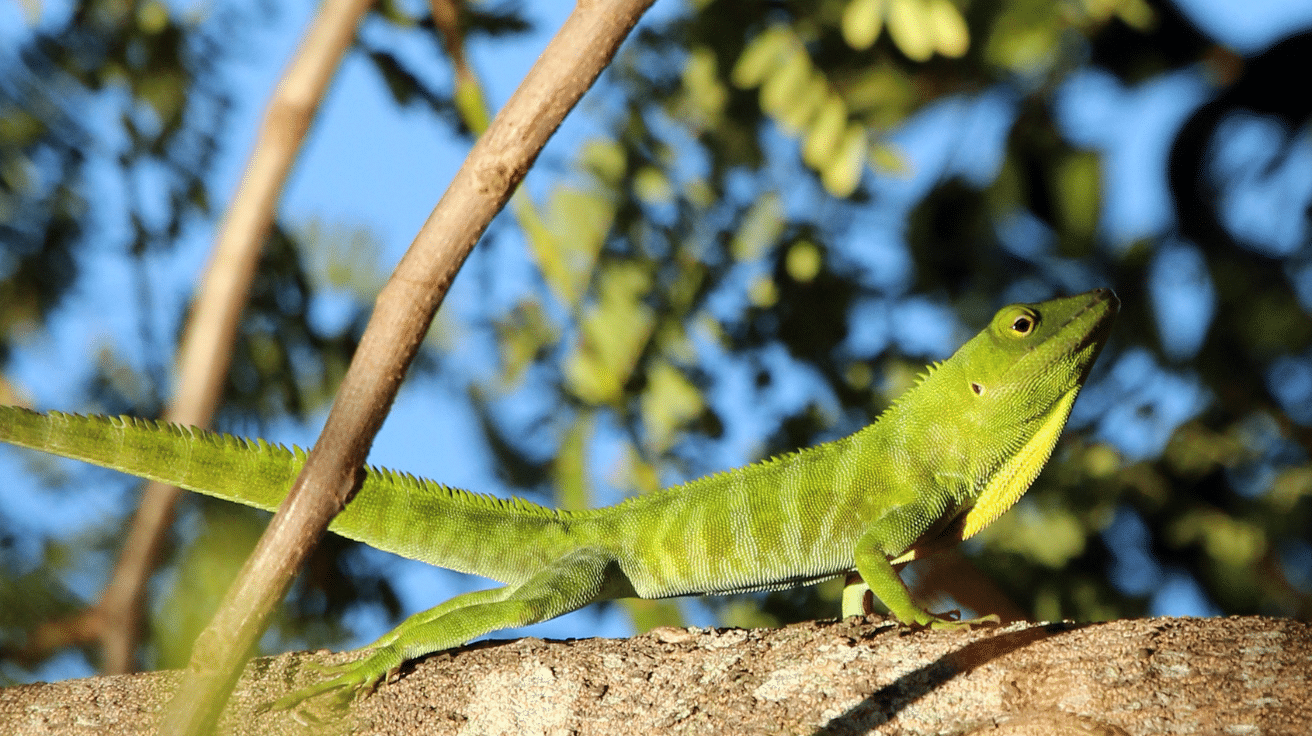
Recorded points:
1242,675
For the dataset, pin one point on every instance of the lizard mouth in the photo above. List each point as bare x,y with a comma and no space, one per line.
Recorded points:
1102,309
1107,304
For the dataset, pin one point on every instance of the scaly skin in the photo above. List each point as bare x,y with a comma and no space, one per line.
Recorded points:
940,464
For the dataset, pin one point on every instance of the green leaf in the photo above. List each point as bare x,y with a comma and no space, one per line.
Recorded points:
810,96
909,27
669,402
605,159
803,261
862,22
843,173
760,228
951,37
201,579
1079,193
152,17
570,468
762,56
1051,537
567,243
701,80
826,135
612,336
652,187
888,158
787,82
521,336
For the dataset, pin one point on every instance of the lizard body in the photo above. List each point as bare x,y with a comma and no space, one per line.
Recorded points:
942,462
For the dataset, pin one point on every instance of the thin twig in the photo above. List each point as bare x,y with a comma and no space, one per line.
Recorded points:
404,309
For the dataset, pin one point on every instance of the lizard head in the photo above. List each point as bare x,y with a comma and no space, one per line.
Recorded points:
1015,384
1041,350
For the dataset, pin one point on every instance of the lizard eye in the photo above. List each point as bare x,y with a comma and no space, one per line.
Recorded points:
1022,325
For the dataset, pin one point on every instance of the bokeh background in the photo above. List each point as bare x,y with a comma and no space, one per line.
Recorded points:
755,230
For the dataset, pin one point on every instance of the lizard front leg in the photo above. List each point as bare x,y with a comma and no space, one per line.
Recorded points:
880,577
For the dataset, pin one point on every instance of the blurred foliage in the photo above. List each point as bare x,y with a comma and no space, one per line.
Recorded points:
752,255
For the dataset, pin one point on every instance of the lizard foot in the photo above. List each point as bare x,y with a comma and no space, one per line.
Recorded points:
342,682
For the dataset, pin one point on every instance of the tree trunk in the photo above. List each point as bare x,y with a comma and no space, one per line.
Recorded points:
1243,675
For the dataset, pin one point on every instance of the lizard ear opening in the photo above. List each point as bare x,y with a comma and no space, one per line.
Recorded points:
978,388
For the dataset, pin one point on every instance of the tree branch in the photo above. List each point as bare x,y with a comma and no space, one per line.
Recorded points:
402,314
206,350
1128,678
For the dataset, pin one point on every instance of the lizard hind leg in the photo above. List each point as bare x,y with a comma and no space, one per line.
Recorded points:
567,584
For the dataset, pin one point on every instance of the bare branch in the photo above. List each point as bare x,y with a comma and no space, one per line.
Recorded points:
404,309
206,350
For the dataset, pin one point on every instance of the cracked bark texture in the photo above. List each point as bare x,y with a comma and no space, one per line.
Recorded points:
1240,675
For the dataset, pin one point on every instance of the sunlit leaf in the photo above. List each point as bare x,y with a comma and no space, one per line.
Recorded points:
880,92
796,116
669,402
652,187
31,11
762,56
787,83
909,27
887,158
567,244
208,567
843,173
152,17
763,292
760,228
803,261
825,137
1025,37
1231,541
611,337
1051,537
862,22
603,157
570,467
1137,14
951,37
521,336
701,79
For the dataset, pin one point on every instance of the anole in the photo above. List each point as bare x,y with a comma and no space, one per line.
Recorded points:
942,462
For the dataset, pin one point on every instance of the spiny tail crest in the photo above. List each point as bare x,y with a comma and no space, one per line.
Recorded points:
39,431
407,482
157,427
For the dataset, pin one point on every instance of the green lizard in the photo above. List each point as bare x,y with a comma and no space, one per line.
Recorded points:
938,465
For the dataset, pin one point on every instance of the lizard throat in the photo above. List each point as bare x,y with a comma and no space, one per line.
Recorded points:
1011,480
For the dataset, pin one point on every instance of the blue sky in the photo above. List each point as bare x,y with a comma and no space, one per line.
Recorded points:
369,164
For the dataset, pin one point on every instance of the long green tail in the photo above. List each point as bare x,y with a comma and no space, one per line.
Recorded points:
413,517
